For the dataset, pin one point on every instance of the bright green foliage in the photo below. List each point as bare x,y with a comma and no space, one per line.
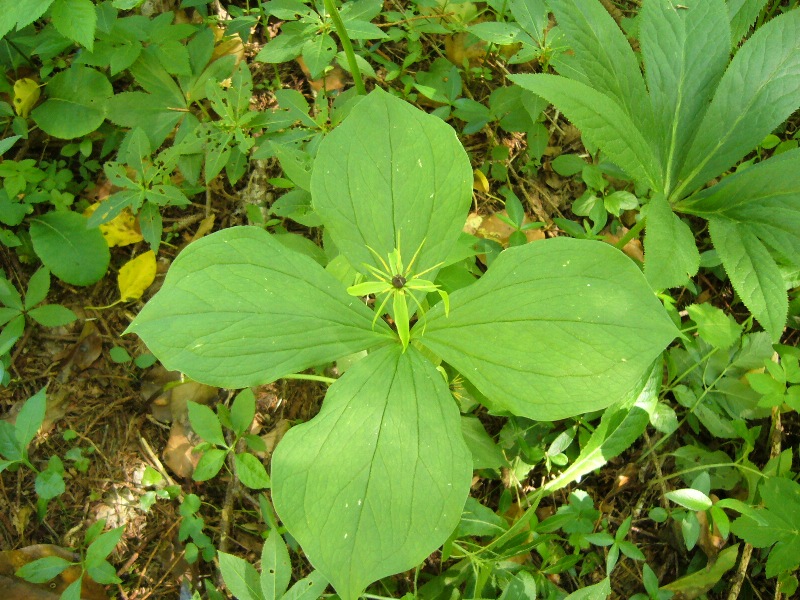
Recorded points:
13,311
391,420
72,251
77,103
696,117
207,425
246,584
775,525
378,479
97,545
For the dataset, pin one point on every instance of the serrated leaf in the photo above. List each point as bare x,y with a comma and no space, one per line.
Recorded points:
136,276
240,577
553,329
742,15
251,471
206,423
601,58
240,290
760,89
762,199
714,326
72,252
77,103
671,254
531,16
753,273
75,20
685,54
602,121
419,181
276,567
377,480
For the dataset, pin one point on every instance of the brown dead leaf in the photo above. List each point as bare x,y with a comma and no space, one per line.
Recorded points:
171,406
710,540
15,588
633,248
332,82
206,225
274,436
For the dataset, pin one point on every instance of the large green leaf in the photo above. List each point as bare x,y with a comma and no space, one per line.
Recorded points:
377,481
554,329
601,57
238,309
760,89
391,168
764,198
671,255
77,103
685,54
753,273
72,252
602,121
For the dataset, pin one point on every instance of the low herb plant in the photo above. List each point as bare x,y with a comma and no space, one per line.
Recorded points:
14,442
14,309
691,117
378,480
97,545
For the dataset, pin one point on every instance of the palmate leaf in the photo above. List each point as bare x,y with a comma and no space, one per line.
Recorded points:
377,481
239,309
685,54
760,89
391,168
602,121
554,329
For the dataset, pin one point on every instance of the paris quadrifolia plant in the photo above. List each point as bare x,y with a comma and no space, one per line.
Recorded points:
378,479
394,282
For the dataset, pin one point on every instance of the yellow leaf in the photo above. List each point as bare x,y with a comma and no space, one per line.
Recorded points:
136,276
119,231
26,95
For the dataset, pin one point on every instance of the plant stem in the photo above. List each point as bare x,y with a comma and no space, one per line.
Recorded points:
328,380
632,233
346,45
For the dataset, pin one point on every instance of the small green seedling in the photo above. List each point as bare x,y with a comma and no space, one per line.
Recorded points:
208,425
14,310
97,545
14,442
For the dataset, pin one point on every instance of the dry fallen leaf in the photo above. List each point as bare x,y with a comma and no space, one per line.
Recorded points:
15,588
122,230
136,276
